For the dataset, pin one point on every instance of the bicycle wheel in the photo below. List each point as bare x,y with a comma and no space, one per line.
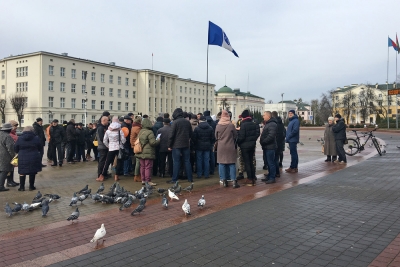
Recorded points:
376,144
352,147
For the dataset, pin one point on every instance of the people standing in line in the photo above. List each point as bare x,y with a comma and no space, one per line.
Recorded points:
211,122
56,138
28,147
339,129
179,144
225,136
269,145
292,138
329,141
80,142
38,126
102,149
7,154
113,139
157,125
165,154
71,139
248,134
202,138
126,127
136,127
148,142
280,142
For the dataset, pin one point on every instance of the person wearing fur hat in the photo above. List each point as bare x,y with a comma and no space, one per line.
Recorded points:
329,141
292,138
339,129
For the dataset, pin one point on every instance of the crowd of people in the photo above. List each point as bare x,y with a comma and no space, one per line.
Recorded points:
175,147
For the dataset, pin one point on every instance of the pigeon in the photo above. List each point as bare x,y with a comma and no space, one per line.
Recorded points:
175,186
301,143
202,202
100,233
38,200
127,204
83,189
142,190
52,196
87,192
101,188
164,201
172,195
148,186
107,200
17,207
34,206
74,215
139,209
8,210
189,188
38,196
25,206
117,189
178,190
142,201
81,198
96,197
45,207
74,200
160,191
186,208
318,140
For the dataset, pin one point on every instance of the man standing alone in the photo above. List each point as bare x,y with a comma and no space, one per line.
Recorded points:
293,137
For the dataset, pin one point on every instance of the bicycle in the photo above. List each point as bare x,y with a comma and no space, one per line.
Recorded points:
355,146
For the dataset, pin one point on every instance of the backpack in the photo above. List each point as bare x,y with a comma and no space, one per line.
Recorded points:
137,148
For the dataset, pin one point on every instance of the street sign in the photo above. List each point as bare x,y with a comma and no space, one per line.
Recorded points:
394,92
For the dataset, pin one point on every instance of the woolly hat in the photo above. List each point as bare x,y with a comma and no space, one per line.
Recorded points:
202,118
338,116
245,113
160,119
292,111
39,119
138,119
207,113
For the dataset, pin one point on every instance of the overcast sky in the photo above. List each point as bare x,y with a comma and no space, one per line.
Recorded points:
299,48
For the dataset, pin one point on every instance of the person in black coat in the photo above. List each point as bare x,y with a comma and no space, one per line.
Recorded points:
80,141
339,129
203,137
92,135
37,125
179,143
28,147
56,138
211,122
268,144
71,140
247,137
158,125
164,153
280,142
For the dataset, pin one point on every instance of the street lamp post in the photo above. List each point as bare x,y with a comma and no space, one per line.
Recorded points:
282,105
85,75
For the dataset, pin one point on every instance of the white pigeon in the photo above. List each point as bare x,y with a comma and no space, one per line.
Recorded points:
172,195
186,208
202,202
25,206
100,233
34,205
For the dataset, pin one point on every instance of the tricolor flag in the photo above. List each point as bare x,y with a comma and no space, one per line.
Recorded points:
397,43
391,43
216,36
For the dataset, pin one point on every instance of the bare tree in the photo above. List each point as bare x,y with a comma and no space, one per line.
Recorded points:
315,110
347,102
3,110
326,106
366,99
225,104
18,102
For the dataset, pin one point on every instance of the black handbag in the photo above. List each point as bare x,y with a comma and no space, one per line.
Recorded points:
122,154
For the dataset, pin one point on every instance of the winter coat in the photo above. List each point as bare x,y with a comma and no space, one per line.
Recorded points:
203,137
268,135
158,125
6,151
194,123
101,130
56,134
39,133
148,141
126,129
248,134
293,130
136,127
181,131
71,132
280,134
165,132
226,135
329,141
114,138
28,148
339,129
80,137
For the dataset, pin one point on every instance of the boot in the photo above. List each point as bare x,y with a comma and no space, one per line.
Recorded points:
240,177
2,181
235,184
32,182
334,158
226,183
22,179
137,178
10,180
328,159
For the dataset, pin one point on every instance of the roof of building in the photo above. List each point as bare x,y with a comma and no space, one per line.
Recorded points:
287,102
382,87
225,89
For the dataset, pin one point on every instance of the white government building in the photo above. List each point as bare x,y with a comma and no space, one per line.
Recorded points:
56,88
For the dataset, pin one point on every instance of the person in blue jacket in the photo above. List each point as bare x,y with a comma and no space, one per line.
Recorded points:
292,138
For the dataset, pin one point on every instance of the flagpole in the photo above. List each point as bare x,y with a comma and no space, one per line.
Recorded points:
395,82
151,61
387,87
207,80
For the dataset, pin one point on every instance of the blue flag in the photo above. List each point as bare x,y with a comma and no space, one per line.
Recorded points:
216,36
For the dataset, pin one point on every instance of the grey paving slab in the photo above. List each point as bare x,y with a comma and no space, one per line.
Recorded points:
344,219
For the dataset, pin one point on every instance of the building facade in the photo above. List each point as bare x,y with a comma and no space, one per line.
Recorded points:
236,101
57,86
303,110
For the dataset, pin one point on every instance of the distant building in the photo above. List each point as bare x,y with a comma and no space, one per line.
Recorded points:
303,110
236,101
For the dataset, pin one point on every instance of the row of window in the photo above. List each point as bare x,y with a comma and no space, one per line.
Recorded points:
194,100
94,118
93,104
93,76
22,71
93,90
194,90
